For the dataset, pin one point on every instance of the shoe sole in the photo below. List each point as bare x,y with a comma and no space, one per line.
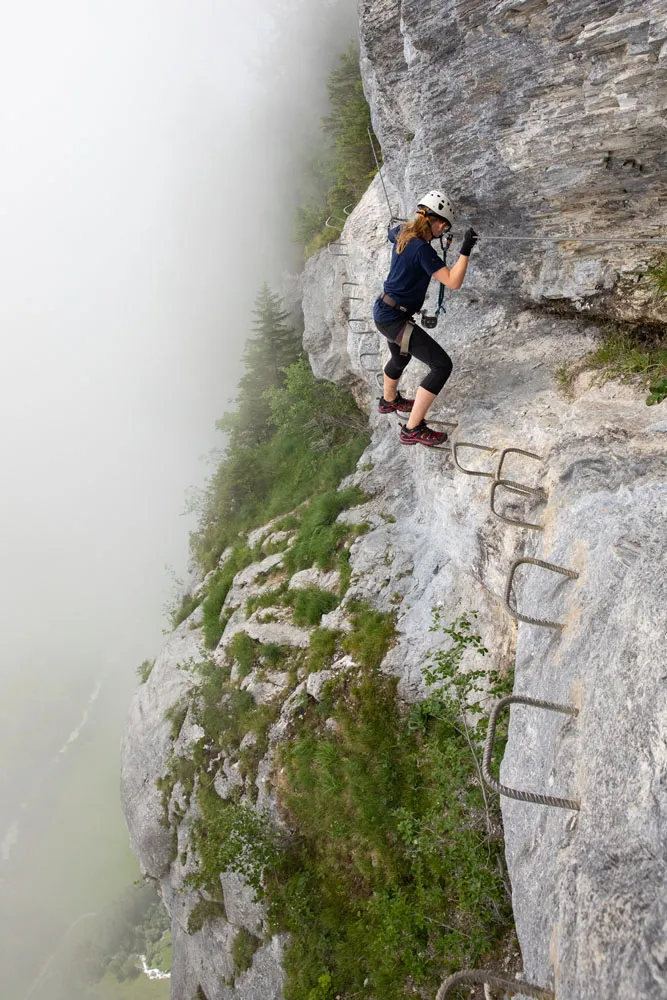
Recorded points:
427,444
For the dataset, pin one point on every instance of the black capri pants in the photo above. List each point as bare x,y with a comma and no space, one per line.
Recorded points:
424,348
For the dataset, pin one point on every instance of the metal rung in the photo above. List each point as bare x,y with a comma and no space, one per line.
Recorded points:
515,793
478,447
508,590
355,283
444,423
369,354
516,986
350,207
337,243
359,333
339,228
515,451
523,491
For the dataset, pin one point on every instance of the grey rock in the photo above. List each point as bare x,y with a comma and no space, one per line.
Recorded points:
248,575
227,779
267,687
314,577
281,632
147,743
241,905
315,683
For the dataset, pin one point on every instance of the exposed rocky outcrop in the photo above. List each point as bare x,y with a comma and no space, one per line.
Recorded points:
538,118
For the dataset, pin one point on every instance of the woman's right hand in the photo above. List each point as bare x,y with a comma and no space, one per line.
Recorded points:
469,240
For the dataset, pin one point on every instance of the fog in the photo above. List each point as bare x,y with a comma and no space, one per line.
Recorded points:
152,157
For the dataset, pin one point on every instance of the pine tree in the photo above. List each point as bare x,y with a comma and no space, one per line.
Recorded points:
273,347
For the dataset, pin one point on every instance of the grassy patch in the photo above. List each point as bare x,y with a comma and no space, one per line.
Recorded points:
184,610
624,355
205,909
244,947
218,589
144,670
320,536
371,636
391,878
310,603
243,650
323,646
230,837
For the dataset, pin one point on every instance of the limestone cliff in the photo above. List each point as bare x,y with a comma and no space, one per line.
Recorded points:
539,119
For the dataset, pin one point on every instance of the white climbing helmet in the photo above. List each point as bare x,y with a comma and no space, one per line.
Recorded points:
439,204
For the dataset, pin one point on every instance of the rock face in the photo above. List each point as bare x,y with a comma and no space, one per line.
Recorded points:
538,119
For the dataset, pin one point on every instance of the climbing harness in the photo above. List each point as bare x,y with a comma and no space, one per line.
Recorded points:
429,322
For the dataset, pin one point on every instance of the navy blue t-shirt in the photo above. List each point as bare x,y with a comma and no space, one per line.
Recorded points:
409,277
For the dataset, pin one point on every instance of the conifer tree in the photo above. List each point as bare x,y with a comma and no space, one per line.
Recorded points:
273,346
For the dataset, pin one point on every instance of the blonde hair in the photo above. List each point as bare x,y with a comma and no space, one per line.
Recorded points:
417,228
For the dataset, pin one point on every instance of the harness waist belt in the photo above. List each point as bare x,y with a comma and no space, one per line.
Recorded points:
393,303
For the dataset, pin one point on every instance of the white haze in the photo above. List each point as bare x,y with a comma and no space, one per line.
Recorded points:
149,169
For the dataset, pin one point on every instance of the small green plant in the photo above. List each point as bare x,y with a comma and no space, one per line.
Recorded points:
322,649
320,536
184,610
205,909
445,675
371,636
657,276
144,670
244,947
624,354
230,837
658,392
218,589
310,603
244,650
176,715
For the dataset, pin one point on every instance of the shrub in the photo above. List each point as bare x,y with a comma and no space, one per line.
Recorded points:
144,670
244,651
371,636
184,610
391,878
320,536
205,909
244,947
310,603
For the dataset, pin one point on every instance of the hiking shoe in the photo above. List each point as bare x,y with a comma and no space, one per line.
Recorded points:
421,434
399,404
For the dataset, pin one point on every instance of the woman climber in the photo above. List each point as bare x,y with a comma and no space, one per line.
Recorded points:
413,263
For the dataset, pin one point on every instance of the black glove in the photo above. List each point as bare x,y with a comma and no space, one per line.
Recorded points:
469,240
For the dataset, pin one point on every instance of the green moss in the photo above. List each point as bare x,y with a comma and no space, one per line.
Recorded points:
205,909
244,947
